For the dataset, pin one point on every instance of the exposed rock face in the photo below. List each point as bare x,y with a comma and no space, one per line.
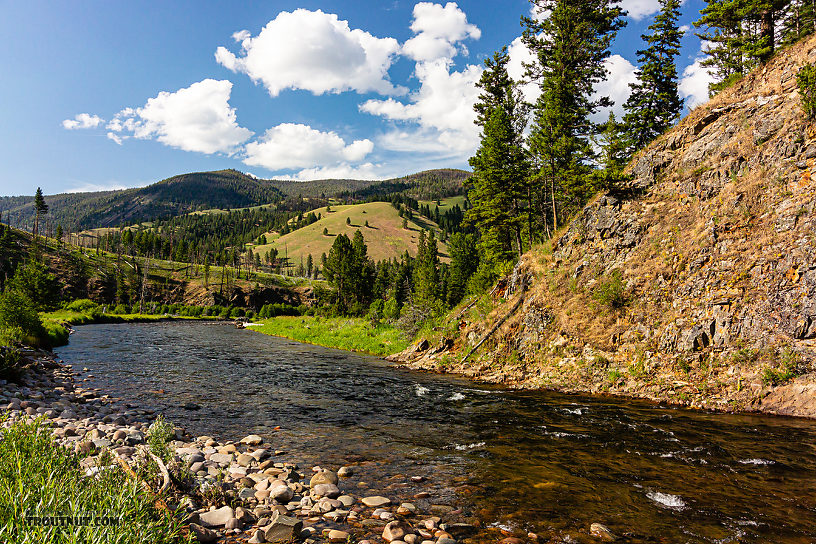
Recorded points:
715,242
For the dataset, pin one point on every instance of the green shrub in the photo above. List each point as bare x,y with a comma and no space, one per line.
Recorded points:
158,436
82,306
790,367
806,80
9,363
610,290
391,310
19,319
121,309
40,286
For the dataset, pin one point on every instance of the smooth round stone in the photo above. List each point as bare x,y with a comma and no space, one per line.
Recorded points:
345,472
346,500
246,493
337,536
252,440
326,490
323,477
376,501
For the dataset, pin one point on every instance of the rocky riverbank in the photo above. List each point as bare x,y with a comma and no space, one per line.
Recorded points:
230,491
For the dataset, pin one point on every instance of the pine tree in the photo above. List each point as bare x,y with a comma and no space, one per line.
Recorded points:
500,193
613,155
464,260
40,209
426,273
655,103
570,46
741,35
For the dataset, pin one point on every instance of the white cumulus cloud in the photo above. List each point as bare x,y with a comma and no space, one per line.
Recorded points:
441,110
196,118
438,29
519,55
620,74
83,120
290,145
693,85
339,171
313,51
640,9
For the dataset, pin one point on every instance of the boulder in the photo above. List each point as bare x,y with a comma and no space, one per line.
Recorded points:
376,501
252,440
602,532
396,530
326,490
281,493
323,477
202,534
217,518
282,528
337,536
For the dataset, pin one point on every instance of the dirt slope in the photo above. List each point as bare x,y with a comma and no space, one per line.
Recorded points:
715,242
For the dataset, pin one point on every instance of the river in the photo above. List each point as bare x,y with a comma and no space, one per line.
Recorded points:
522,461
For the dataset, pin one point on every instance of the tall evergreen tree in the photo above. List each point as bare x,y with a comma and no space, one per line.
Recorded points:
426,271
40,209
500,170
655,103
742,34
613,154
570,46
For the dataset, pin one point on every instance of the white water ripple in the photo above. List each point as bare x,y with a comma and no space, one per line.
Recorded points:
665,499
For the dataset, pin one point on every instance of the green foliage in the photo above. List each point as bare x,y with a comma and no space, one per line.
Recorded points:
37,284
9,361
391,309
744,34
501,207
158,437
82,305
806,80
464,262
38,478
349,271
610,290
654,104
570,45
789,367
19,319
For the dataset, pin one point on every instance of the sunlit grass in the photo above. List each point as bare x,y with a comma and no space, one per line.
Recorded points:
40,479
352,334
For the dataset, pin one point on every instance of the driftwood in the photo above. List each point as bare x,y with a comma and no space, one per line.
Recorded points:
157,501
499,323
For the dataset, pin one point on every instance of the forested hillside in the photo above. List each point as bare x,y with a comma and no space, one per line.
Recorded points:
692,281
170,197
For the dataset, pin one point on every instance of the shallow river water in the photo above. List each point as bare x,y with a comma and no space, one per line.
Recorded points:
521,461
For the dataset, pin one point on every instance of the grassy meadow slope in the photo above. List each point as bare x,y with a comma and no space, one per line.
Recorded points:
384,235
696,284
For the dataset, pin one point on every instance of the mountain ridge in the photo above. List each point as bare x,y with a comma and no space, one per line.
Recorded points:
194,191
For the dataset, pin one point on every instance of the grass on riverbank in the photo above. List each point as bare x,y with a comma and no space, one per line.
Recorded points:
352,334
54,322
40,480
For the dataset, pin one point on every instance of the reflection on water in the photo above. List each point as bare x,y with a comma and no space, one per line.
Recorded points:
541,462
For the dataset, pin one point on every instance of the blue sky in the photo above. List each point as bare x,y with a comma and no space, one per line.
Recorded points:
101,94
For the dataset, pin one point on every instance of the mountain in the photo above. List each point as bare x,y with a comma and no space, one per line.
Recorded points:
224,189
169,197
694,285
428,184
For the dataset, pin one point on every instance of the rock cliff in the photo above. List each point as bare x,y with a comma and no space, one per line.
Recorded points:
696,284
